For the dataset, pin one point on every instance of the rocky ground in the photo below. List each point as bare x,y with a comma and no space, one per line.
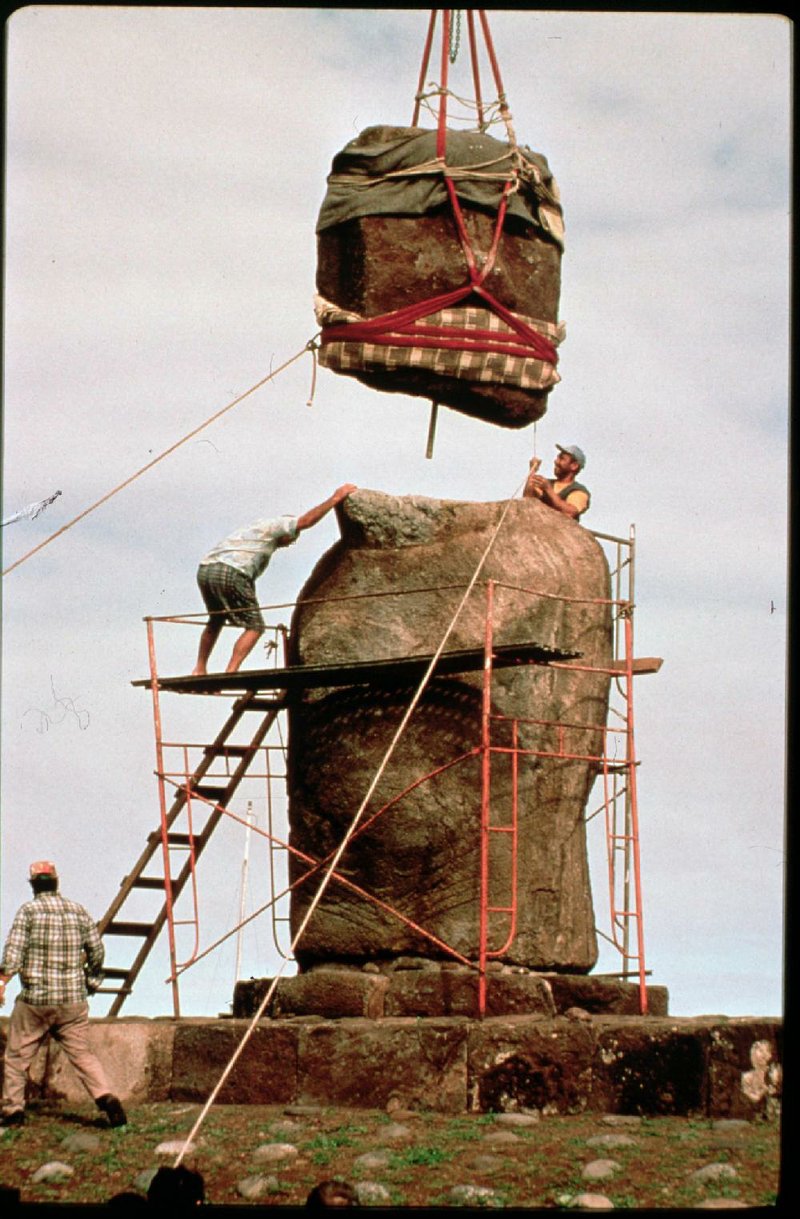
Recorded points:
273,1155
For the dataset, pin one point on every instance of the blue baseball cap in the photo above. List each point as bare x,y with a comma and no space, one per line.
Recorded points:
574,452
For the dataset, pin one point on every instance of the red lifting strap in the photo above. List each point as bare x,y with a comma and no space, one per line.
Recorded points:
398,327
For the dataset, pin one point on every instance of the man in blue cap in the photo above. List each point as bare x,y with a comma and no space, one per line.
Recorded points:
563,492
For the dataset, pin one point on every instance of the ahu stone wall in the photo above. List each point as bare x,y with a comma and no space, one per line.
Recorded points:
711,1066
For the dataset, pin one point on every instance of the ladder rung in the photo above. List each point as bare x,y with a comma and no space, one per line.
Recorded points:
149,882
173,839
116,973
113,990
265,704
228,751
209,793
116,928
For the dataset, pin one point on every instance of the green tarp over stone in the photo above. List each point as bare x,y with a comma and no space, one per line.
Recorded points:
358,184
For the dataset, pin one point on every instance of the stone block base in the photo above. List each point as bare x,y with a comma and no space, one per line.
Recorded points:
414,986
657,1066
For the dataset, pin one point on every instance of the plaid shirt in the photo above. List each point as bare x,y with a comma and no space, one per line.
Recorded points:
50,942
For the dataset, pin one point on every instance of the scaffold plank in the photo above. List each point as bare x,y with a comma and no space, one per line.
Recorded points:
360,672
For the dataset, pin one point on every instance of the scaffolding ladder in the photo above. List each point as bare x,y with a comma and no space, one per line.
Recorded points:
165,844
620,804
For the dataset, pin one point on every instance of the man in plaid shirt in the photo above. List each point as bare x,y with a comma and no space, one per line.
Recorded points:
55,948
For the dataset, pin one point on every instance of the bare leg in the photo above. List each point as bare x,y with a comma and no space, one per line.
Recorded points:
208,638
242,648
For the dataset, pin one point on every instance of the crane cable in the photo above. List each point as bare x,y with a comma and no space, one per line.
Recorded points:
310,346
333,864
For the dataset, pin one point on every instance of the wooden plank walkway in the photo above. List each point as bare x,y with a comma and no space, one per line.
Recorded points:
397,671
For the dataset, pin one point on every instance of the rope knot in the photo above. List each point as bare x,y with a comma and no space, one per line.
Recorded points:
312,346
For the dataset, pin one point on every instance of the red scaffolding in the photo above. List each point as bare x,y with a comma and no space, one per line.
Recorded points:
197,782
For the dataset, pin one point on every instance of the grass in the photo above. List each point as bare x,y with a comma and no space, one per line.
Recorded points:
539,1169
419,1155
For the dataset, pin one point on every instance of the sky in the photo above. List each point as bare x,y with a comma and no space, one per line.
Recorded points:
164,171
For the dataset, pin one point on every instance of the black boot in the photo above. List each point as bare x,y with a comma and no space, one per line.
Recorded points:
112,1109
15,1118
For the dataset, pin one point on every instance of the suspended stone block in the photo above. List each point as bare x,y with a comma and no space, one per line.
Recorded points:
386,239
421,856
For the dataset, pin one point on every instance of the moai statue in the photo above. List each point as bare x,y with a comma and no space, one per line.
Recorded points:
390,588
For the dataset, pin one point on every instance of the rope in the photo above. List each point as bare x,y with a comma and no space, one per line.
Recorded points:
435,165
481,118
345,841
312,346
120,486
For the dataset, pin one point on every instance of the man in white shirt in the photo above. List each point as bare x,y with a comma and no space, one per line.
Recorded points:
227,575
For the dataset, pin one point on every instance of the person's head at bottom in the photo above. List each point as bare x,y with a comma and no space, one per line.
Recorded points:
329,1194
179,1186
127,1198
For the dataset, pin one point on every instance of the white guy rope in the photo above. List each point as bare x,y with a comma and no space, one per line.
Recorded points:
343,844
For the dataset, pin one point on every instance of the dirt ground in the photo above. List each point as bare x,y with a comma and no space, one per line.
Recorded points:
539,1169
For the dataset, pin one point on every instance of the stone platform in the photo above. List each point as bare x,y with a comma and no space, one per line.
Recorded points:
710,1066
418,986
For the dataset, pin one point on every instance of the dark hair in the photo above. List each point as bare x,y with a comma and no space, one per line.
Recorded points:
180,1186
127,1198
44,883
332,1193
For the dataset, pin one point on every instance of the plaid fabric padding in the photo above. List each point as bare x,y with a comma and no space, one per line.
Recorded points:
470,328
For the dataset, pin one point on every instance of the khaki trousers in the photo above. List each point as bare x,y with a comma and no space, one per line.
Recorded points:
30,1024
